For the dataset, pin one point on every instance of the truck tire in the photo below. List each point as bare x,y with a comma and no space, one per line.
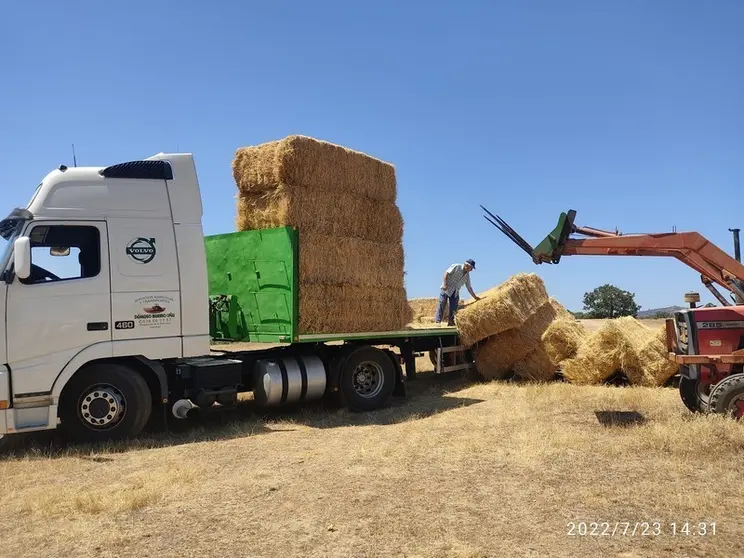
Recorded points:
727,397
367,379
694,394
105,401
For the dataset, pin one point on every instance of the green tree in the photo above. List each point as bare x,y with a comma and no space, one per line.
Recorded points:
608,301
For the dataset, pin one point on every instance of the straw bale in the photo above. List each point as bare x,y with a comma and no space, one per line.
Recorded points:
423,308
614,346
351,309
563,337
657,368
495,356
322,211
303,162
537,366
489,360
507,306
350,261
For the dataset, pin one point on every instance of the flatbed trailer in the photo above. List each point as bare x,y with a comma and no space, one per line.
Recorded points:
129,338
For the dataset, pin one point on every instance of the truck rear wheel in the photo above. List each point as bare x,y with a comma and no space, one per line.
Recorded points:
367,379
694,394
727,397
105,402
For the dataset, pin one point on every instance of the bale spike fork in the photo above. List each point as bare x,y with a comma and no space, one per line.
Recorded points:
550,249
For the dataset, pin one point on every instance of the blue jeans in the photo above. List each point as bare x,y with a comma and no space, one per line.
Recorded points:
453,300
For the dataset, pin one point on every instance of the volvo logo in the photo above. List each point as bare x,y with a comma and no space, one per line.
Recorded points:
141,250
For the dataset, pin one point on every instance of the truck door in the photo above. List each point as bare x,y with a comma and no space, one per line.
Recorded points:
63,307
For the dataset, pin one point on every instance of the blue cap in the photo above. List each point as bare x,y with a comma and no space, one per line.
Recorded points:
471,262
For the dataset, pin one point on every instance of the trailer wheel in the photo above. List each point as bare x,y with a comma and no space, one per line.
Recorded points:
694,394
727,397
105,401
367,379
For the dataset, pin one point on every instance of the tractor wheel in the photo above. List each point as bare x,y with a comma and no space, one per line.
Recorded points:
694,394
727,397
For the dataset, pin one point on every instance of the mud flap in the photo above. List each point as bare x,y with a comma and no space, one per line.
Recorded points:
399,390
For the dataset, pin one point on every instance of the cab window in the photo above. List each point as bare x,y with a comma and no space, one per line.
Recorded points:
64,253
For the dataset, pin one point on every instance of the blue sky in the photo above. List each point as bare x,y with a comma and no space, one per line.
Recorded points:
629,112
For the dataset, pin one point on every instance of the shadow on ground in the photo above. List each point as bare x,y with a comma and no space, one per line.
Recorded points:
619,418
428,396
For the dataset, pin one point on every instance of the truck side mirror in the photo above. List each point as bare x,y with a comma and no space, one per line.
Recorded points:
22,257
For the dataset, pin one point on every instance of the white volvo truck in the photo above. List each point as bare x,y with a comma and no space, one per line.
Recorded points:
119,332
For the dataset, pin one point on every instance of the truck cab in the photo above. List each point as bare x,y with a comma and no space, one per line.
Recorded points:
104,265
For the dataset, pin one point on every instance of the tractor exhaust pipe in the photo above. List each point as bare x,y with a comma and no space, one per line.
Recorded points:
737,249
737,254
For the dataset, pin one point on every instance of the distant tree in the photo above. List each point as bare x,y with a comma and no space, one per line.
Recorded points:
578,315
608,301
661,315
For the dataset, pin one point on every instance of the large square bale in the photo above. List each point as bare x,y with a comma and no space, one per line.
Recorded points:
614,347
321,211
496,355
657,368
304,162
350,261
350,309
537,366
563,338
507,306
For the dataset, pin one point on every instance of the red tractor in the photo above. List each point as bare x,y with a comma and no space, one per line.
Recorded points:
707,343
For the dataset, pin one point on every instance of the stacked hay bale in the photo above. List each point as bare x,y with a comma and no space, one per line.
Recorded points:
424,310
350,228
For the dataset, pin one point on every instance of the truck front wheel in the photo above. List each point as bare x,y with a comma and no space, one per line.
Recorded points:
105,402
367,379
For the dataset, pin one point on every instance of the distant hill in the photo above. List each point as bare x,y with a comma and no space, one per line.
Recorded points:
668,310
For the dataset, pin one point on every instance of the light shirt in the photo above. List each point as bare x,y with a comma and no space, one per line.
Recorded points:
456,278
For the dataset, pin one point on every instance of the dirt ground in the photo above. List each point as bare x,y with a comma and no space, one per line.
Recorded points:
459,469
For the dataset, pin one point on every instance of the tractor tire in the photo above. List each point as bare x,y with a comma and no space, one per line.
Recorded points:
367,379
727,397
105,401
694,394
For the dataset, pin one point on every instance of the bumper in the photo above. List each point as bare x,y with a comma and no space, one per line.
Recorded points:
733,358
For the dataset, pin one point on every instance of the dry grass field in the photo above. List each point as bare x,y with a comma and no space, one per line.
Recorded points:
593,325
460,469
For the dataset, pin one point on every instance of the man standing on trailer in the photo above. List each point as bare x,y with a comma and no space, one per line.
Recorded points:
455,277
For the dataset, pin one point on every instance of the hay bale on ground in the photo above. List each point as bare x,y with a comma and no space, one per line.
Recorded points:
303,162
563,337
325,259
495,356
504,307
350,309
320,210
614,346
657,368
537,366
